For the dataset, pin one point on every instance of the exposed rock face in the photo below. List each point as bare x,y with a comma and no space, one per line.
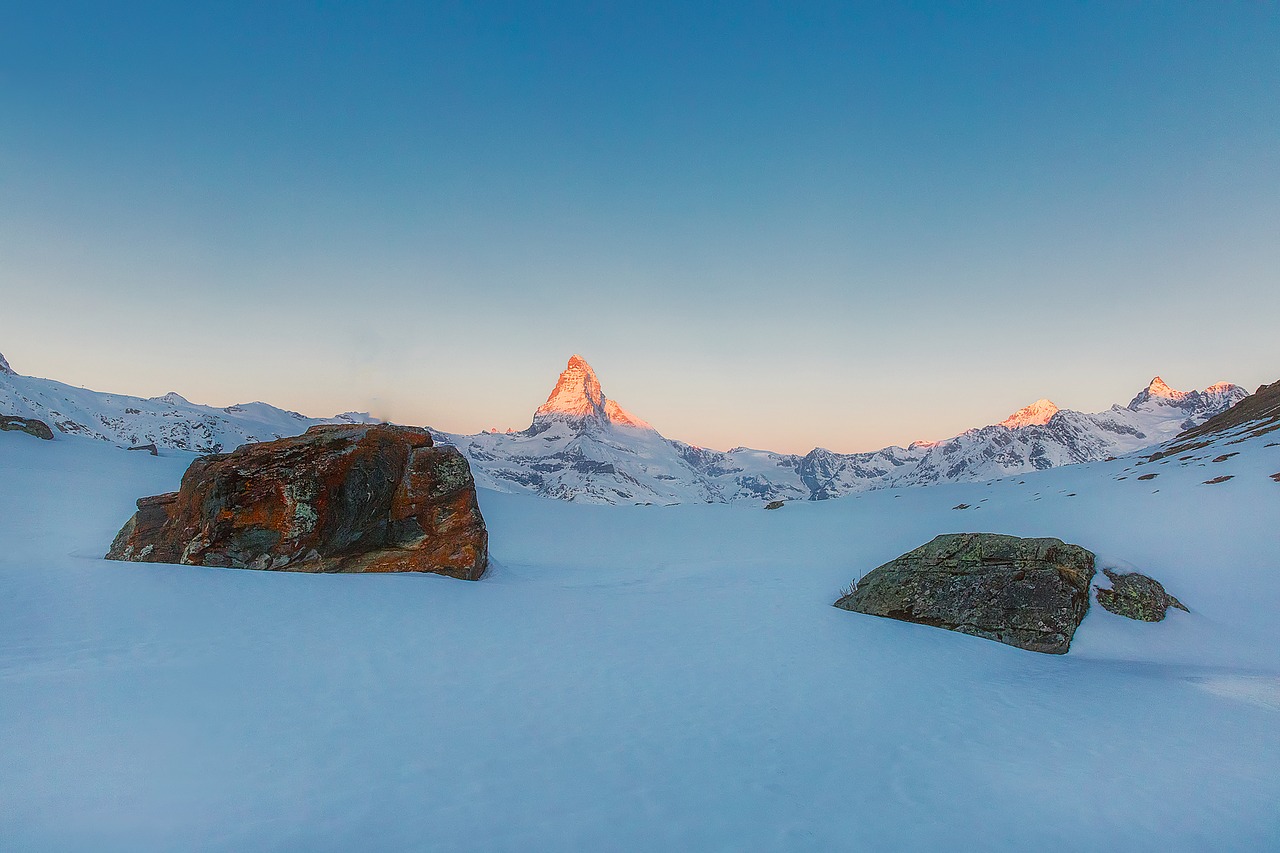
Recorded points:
4,366
1137,596
30,426
149,448
1029,593
338,498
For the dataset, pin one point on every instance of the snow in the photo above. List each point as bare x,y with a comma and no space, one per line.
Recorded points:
169,420
638,678
583,446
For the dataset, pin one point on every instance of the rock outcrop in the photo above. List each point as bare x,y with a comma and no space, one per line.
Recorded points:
1259,413
30,426
1029,593
1137,596
339,498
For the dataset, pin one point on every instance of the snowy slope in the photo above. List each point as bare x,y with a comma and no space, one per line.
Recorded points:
583,446
167,421
640,678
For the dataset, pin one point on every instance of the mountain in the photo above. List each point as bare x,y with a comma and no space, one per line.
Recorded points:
584,446
167,421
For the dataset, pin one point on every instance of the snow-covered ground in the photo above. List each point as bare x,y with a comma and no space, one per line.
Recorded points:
638,678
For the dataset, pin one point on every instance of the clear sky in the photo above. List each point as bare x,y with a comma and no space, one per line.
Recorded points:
775,225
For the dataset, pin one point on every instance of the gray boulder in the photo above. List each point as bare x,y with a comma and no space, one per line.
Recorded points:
1029,593
1137,596
30,426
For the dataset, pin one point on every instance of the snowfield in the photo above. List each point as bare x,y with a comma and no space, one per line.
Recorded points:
639,678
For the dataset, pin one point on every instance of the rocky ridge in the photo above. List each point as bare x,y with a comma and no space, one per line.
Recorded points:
168,421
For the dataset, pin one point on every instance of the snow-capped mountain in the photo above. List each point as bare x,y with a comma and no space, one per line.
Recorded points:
167,421
584,446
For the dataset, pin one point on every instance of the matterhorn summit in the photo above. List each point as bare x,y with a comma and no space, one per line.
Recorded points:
1039,412
1159,392
577,399
4,366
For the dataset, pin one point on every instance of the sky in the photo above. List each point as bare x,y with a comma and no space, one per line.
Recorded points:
772,225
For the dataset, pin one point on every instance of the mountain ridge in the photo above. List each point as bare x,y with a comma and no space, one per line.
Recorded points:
587,457
583,445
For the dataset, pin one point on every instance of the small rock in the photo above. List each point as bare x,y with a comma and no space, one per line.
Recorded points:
150,448
30,426
1217,480
1147,476
774,505
1137,596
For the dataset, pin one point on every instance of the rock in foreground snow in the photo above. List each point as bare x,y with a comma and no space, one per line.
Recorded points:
1137,596
335,499
1029,593
30,426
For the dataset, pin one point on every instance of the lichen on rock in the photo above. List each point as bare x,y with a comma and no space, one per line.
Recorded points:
340,498
1136,596
1029,593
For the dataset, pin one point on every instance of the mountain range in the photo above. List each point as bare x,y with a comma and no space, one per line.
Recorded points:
583,446
166,421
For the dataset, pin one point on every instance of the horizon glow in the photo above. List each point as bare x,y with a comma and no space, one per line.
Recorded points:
836,227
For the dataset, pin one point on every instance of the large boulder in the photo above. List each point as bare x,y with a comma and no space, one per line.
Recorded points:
1029,593
1137,596
30,426
339,498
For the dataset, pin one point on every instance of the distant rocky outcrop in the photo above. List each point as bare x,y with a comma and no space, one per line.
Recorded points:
338,498
1137,596
4,366
1258,414
30,426
147,448
1029,593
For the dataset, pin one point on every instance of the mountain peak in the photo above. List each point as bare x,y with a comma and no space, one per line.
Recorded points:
1039,412
1157,388
4,366
578,396
577,392
1159,392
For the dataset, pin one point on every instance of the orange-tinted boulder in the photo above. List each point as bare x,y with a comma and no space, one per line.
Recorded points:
339,498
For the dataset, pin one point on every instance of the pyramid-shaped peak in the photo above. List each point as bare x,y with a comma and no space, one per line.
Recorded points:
1159,392
4,366
578,397
1039,412
577,391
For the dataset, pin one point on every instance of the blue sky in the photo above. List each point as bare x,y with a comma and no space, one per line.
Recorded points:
774,225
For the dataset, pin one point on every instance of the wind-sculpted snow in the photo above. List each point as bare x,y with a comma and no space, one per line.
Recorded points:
168,421
642,678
